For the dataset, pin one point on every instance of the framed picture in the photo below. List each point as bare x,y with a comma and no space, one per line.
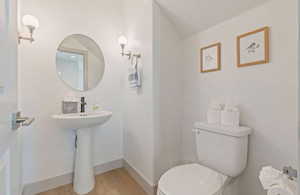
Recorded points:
210,58
253,48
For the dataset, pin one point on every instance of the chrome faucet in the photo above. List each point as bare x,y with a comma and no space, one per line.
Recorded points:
82,104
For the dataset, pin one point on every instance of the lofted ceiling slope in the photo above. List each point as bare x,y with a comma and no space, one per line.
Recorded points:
191,16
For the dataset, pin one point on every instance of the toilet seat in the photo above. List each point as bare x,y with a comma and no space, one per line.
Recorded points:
191,179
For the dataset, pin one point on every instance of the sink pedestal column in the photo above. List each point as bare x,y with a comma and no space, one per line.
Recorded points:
84,179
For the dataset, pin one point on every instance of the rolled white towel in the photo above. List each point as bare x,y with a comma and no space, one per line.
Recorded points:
215,105
277,183
289,185
231,108
214,112
230,116
269,177
214,116
279,190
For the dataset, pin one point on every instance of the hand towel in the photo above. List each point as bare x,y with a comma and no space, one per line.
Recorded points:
134,77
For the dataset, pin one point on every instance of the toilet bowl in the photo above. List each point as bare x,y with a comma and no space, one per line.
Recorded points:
191,179
222,155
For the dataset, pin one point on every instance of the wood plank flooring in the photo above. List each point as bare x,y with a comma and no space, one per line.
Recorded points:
115,182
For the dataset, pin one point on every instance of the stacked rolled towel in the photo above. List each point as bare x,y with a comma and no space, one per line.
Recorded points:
230,115
269,176
214,113
276,183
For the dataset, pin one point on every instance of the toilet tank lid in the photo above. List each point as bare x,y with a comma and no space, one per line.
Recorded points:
240,131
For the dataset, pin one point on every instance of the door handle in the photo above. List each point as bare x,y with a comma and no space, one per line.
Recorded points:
25,121
18,121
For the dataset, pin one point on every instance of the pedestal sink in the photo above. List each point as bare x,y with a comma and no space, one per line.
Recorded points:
84,179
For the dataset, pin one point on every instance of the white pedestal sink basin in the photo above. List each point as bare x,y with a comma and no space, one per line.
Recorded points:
84,179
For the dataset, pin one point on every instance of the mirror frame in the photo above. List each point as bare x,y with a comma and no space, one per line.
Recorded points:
85,56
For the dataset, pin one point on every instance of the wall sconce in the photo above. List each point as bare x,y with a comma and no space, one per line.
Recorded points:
31,23
123,42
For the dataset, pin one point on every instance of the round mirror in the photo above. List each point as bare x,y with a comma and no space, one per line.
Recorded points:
80,62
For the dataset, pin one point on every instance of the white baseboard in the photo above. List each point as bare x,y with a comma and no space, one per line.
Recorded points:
45,185
148,188
116,164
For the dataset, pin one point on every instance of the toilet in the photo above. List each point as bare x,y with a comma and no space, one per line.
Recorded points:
222,155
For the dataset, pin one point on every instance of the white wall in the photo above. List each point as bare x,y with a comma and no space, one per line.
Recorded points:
46,142
168,93
48,150
267,93
138,104
151,115
151,118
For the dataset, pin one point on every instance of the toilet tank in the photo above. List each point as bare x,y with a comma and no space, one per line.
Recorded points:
222,148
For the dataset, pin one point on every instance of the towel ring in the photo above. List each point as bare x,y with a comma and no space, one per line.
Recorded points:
135,57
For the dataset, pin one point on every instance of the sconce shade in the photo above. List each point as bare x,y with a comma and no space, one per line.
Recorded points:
30,21
122,40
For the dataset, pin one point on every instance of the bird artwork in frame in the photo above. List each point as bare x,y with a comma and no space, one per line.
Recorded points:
253,47
210,58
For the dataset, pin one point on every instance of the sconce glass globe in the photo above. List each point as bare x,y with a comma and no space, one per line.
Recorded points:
123,40
30,21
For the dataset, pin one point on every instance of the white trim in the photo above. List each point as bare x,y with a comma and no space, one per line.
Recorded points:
48,184
5,169
149,188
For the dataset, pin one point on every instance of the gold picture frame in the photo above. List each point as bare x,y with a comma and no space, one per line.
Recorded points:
210,58
253,47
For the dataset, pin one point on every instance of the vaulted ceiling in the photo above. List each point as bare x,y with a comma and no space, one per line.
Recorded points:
191,16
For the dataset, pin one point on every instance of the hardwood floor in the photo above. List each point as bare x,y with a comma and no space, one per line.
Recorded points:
115,182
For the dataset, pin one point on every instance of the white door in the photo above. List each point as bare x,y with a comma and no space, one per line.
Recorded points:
10,163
